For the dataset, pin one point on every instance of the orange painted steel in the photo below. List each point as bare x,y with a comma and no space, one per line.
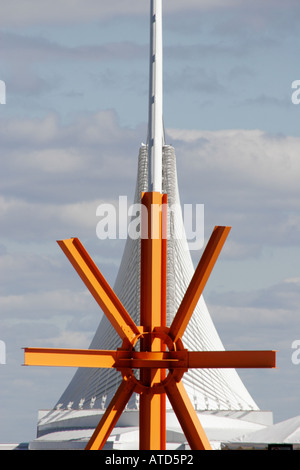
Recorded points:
187,416
99,288
70,357
231,359
98,358
198,282
111,416
152,424
161,348
164,248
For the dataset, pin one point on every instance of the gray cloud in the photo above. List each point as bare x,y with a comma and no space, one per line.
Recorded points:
193,80
35,48
249,179
266,318
281,297
39,11
53,173
24,55
47,161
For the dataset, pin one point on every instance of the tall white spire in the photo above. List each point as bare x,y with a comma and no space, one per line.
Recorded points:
155,122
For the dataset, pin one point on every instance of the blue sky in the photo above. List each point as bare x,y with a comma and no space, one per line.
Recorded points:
76,76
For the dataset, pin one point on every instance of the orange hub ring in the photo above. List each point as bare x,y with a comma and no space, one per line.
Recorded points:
176,373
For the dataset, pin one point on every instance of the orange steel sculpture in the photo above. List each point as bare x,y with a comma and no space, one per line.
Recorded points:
152,347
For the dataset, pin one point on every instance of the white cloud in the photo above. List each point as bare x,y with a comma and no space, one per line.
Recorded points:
251,156
55,175
276,305
87,128
246,179
46,306
46,161
66,339
29,222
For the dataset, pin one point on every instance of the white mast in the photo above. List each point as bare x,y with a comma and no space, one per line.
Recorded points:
155,122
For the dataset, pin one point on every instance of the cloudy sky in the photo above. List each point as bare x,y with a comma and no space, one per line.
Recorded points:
76,75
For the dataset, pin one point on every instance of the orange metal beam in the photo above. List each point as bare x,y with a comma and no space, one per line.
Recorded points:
151,262
187,416
198,360
198,282
70,357
153,360
126,359
111,416
99,288
231,359
152,423
164,248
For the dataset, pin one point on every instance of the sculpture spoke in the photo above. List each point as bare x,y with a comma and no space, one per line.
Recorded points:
99,288
198,282
187,416
70,357
111,415
231,359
